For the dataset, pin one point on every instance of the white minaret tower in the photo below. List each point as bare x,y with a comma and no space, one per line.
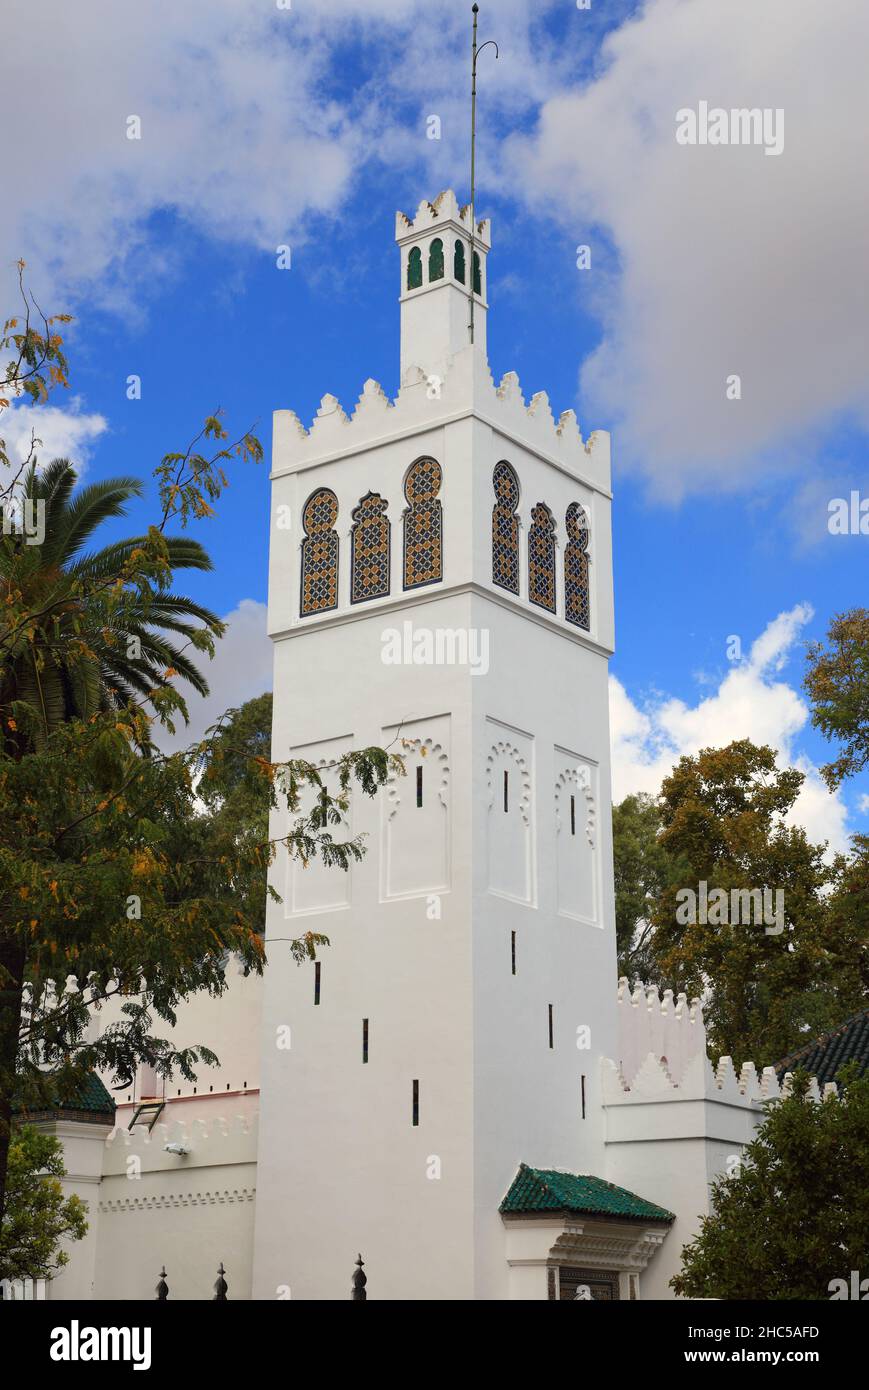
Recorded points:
440,582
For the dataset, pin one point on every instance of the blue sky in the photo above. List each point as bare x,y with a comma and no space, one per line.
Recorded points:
309,128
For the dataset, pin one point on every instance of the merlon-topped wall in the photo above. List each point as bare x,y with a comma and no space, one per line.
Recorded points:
424,404
662,1055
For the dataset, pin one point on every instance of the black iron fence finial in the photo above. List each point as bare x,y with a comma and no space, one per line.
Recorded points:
360,1279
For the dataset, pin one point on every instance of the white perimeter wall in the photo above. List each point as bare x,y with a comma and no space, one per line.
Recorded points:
188,1213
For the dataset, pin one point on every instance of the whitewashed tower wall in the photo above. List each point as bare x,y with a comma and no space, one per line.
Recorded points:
518,870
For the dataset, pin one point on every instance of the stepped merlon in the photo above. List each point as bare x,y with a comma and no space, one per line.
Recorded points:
444,210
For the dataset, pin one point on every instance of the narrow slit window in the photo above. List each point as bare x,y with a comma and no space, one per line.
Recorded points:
416,1102
583,1097
316,982
365,1044
551,1038
573,815
513,953
419,786
506,790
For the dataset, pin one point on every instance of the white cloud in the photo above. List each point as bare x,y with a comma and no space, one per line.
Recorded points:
241,669
730,261
750,702
823,814
234,135
68,433
254,120
727,260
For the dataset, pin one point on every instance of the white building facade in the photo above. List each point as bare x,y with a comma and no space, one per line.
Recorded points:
441,585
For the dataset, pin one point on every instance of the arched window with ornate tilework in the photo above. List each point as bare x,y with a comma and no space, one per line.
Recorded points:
414,268
541,557
577,605
436,260
423,525
320,553
369,556
505,528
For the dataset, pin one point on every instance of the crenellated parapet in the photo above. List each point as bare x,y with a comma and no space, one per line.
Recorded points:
698,1080
426,402
674,1121
194,1145
718,1101
662,1056
670,1029
434,215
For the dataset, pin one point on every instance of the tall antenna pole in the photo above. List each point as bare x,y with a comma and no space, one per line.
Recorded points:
473,165
475,53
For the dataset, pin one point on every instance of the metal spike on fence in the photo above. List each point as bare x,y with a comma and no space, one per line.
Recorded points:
360,1279
162,1287
220,1286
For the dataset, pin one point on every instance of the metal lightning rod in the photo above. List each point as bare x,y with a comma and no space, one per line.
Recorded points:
475,53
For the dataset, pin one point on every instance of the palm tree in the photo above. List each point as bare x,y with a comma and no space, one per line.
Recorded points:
83,657
81,632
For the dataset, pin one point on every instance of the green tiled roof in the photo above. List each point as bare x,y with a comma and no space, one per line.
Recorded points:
545,1189
824,1056
91,1097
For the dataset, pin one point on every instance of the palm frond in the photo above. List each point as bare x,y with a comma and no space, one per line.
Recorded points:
90,507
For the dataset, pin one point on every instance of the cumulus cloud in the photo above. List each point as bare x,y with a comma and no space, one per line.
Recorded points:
728,261
234,133
255,120
751,701
57,432
241,669
725,260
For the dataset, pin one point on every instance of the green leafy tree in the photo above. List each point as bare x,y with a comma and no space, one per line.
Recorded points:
31,347
237,790
641,867
38,1218
847,933
112,873
723,822
83,647
837,682
794,1217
